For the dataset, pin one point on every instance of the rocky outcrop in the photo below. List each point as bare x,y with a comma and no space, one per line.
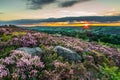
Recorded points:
67,54
36,51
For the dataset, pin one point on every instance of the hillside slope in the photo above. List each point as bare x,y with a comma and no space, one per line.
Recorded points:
97,61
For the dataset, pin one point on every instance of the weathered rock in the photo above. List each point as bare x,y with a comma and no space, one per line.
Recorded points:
36,51
67,54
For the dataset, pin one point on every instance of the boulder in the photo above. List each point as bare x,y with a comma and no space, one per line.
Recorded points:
67,54
36,51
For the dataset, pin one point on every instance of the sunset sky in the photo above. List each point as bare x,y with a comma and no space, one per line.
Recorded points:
41,9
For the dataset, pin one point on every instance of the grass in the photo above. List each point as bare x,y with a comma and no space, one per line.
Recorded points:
5,37
6,51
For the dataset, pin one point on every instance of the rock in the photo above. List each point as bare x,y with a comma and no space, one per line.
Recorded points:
58,35
36,51
67,54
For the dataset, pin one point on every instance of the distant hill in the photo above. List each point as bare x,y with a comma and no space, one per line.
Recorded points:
70,19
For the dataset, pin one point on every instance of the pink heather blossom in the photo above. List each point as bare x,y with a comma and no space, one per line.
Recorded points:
3,71
25,40
78,48
33,73
59,64
15,76
19,64
24,77
71,71
25,61
8,61
25,65
57,77
15,39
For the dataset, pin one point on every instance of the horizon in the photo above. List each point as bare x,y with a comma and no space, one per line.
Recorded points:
66,21
59,18
44,9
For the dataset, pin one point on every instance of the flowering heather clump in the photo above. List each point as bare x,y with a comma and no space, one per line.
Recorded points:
8,60
110,53
67,71
46,39
59,64
2,30
28,40
5,31
25,41
23,65
3,72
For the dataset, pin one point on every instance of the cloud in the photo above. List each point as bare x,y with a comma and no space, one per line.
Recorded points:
112,12
76,13
39,4
68,3
71,3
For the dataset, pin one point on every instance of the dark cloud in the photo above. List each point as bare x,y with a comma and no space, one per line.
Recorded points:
71,3
38,4
68,3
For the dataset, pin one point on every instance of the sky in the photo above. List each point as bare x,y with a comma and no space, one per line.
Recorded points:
42,9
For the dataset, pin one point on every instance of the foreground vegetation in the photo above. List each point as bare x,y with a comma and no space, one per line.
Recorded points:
99,61
98,34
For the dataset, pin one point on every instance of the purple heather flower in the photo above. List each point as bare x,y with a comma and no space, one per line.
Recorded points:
3,71
59,64
8,61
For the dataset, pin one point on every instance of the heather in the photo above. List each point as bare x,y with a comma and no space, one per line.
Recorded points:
102,34
98,61
20,65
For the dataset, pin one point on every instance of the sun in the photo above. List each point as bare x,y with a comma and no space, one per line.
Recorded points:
86,25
